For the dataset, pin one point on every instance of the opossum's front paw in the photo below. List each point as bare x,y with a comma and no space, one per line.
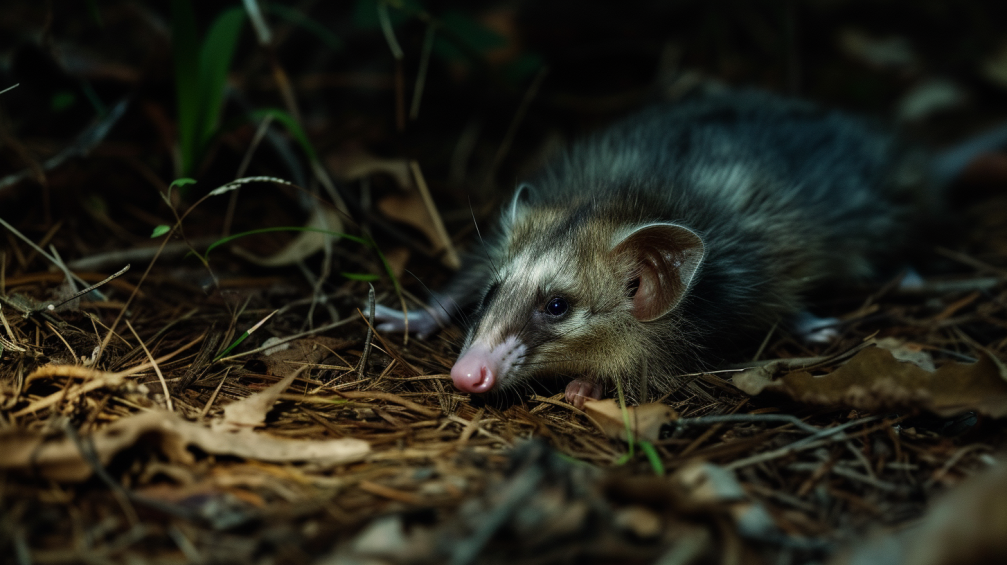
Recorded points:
580,390
812,329
421,322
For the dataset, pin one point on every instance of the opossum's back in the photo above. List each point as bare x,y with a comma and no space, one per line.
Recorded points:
751,154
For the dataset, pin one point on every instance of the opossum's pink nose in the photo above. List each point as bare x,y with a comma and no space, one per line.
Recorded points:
473,372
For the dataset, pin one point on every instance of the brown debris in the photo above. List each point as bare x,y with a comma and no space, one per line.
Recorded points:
885,444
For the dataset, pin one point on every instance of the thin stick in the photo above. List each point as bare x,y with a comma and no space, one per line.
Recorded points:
157,369
362,368
213,396
450,255
41,251
421,74
52,306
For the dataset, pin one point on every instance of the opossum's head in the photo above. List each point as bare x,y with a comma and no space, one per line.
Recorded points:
572,291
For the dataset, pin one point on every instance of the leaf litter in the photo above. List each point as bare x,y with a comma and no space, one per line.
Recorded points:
887,444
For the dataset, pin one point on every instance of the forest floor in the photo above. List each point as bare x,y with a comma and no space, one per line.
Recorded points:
223,400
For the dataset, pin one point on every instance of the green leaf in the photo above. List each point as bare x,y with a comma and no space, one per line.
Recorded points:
365,277
292,126
298,17
214,62
160,230
185,52
181,182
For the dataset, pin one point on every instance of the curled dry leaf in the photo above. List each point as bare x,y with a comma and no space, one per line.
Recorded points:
306,244
646,421
31,452
966,527
409,209
875,379
353,165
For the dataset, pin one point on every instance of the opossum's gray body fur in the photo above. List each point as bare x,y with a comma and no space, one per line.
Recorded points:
782,194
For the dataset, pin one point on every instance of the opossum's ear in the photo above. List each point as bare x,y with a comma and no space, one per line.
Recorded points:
667,257
519,201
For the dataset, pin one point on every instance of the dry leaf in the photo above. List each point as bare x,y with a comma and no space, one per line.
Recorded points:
354,165
645,421
909,352
31,452
409,209
875,380
966,527
251,411
397,257
306,244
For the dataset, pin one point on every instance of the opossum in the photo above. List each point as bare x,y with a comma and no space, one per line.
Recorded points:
658,246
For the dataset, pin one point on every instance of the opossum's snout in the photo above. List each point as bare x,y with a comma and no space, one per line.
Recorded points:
474,372
480,368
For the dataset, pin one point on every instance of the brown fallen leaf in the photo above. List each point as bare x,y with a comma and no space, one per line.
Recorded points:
645,421
875,380
250,412
33,453
354,164
966,527
408,208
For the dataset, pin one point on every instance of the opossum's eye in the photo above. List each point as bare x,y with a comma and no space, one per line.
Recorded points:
557,306
632,287
490,294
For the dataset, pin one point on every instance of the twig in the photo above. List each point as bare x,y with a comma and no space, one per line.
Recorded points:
157,369
387,396
450,255
213,396
421,74
41,251
366,355
828,435
745,418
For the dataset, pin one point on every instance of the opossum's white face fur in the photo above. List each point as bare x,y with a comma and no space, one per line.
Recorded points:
575,292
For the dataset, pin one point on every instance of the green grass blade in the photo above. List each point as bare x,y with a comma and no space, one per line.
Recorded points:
364,277
292,126
185,53
299,18
650,451
230,238
214,62
245,335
